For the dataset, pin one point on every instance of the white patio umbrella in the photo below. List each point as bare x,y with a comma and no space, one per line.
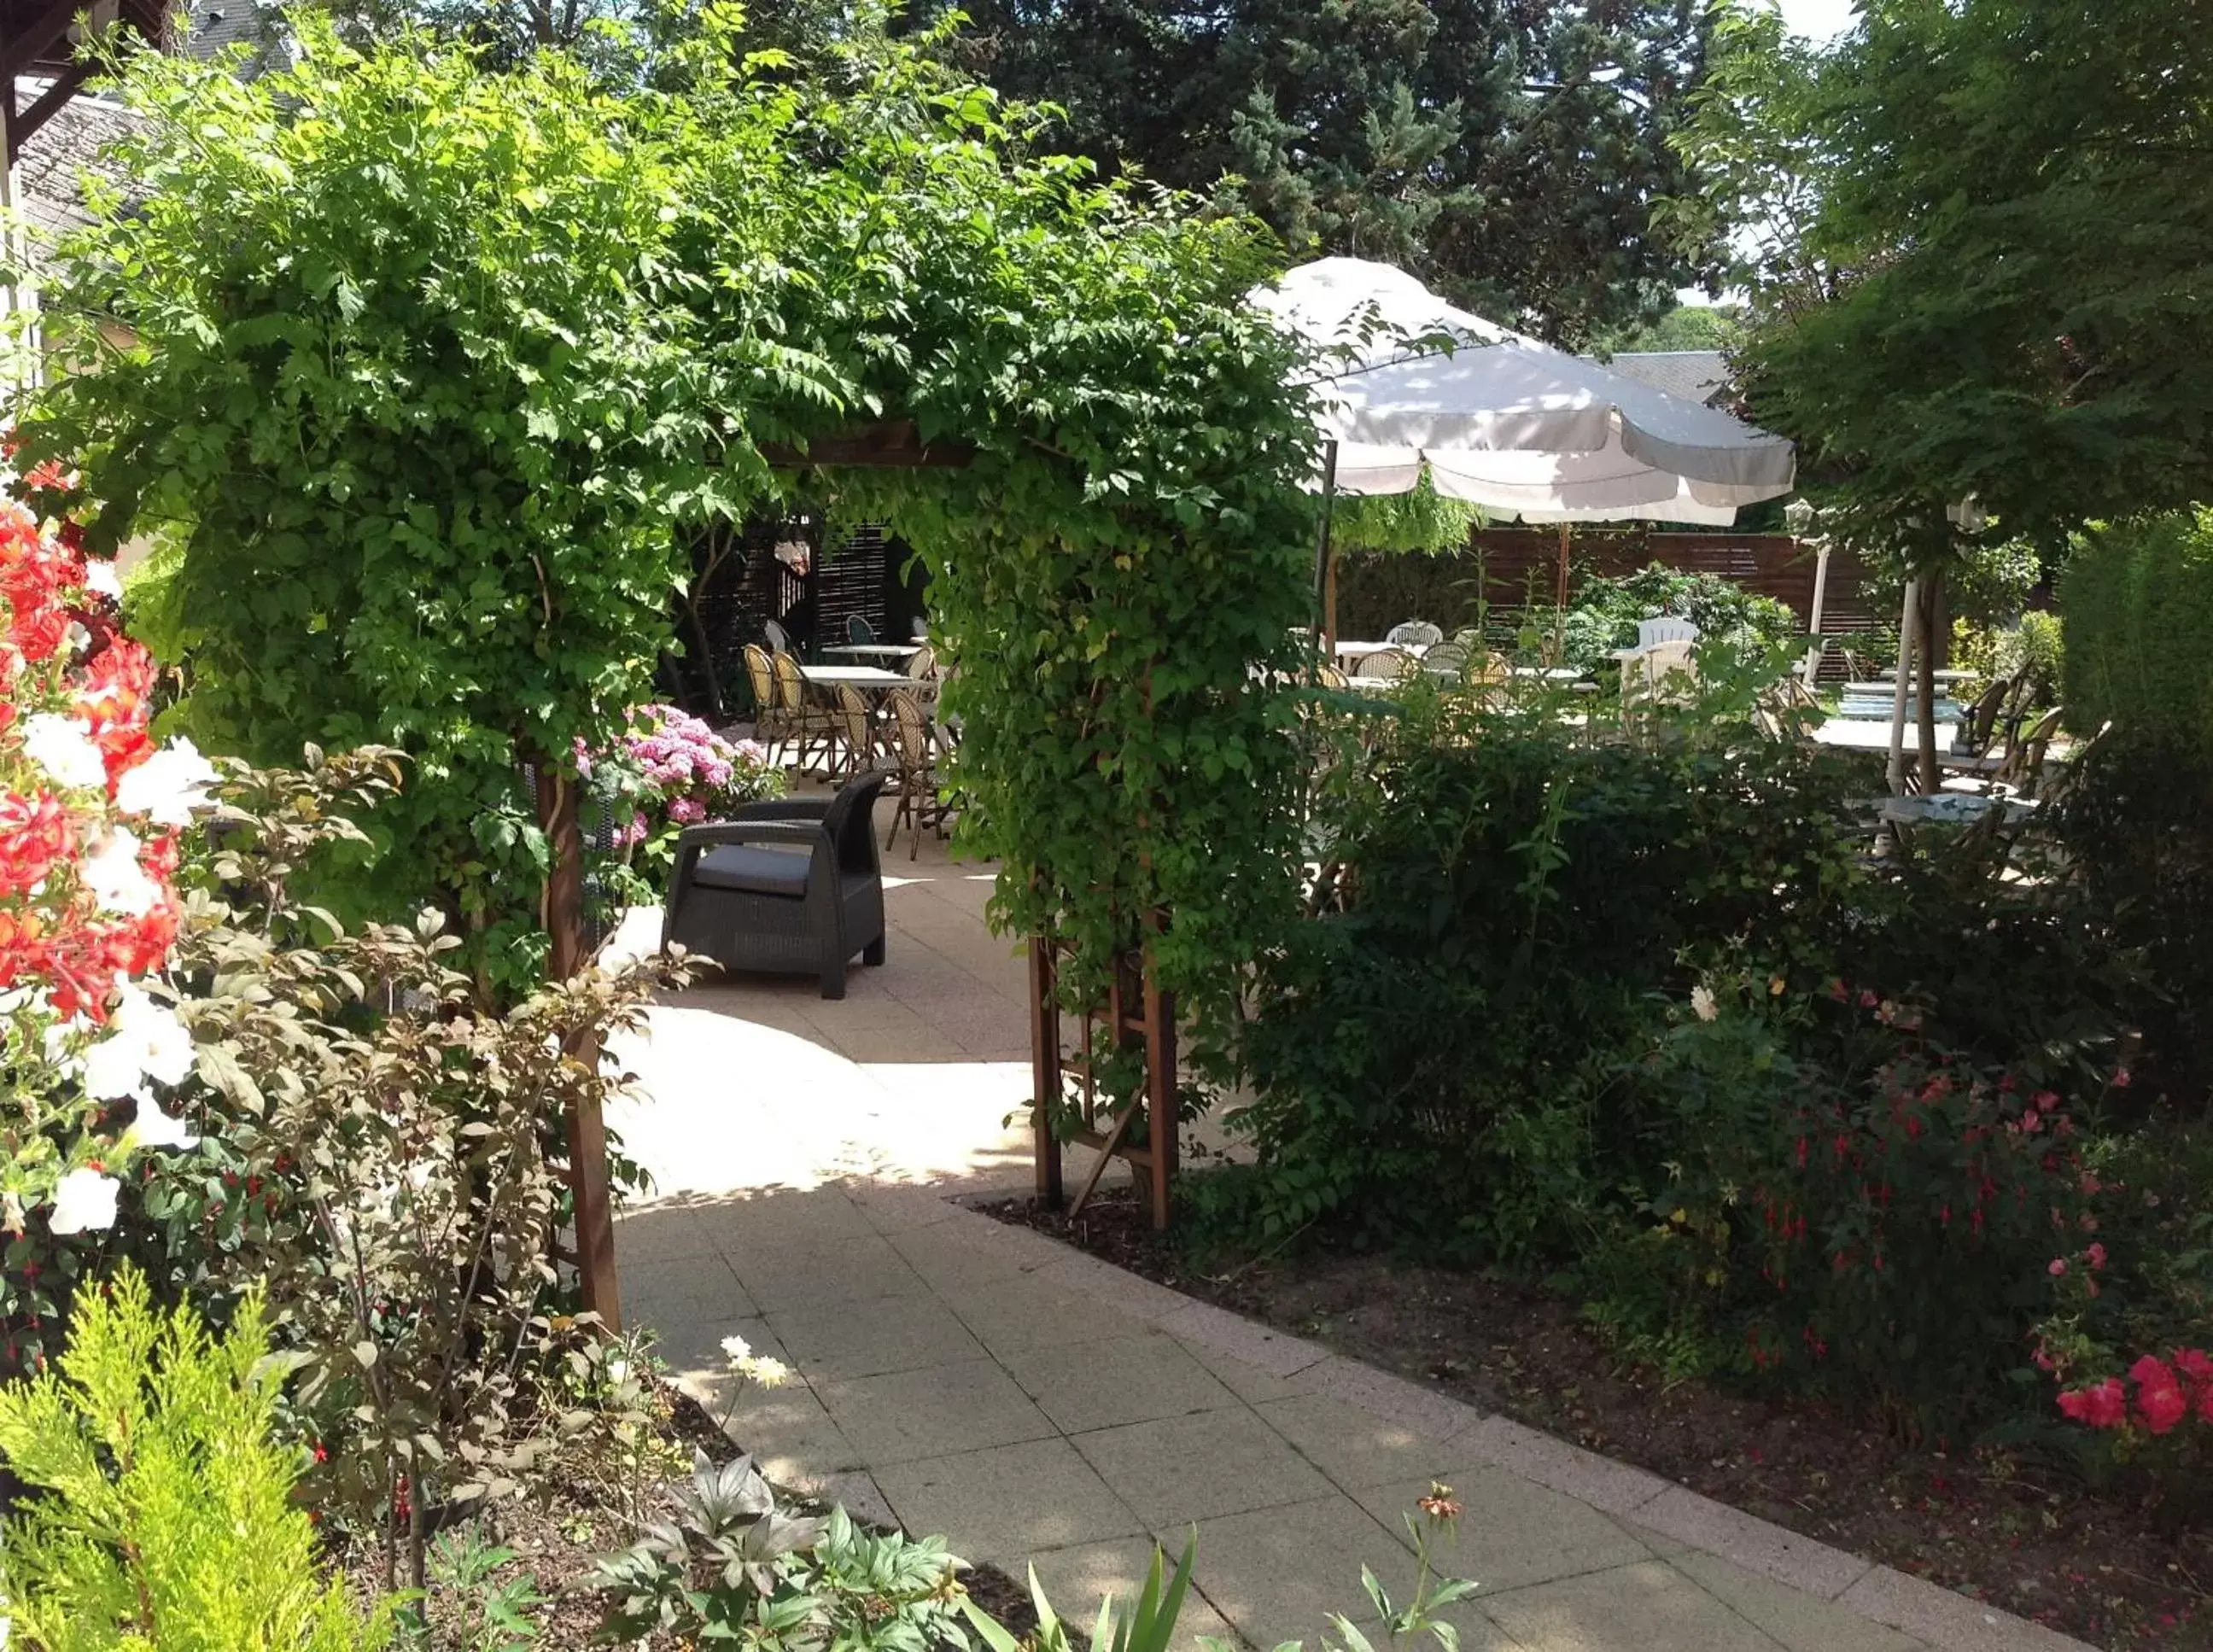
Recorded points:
1503,421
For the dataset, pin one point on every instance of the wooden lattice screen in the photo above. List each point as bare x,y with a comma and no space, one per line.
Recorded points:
1137,1017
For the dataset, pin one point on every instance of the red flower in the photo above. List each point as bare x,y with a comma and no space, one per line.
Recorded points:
35,833
2095,1256
2101,1406
2162,1405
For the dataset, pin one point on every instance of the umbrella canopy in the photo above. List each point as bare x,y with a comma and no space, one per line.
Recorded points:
1505,422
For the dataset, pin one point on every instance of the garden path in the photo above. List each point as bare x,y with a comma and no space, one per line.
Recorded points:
1039,1406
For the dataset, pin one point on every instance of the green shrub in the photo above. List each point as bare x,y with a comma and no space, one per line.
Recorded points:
1604,613
2137,600
159,1511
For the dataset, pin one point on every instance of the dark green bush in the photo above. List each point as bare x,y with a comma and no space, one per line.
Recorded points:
1830,1196
1432,1061
1586,998
2137,601
2138,821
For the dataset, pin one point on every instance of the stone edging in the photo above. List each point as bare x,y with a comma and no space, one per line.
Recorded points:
1947,1621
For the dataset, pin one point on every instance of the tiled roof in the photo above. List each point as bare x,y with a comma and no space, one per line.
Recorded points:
1694,375
212,25
50,173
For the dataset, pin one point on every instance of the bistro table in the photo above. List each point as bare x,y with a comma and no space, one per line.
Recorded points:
1884,685
1551,673
1953,807
896,652
869,680
1362,650
1869,735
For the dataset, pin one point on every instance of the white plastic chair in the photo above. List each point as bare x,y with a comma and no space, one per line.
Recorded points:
1666,628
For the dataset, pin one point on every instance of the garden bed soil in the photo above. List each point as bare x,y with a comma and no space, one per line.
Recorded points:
1982,1520
556,1538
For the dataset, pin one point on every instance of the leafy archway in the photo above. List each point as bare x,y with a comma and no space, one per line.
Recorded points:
422,362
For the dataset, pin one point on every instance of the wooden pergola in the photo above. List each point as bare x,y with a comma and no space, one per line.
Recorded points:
45,38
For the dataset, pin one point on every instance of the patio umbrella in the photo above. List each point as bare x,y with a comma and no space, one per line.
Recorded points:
1503,421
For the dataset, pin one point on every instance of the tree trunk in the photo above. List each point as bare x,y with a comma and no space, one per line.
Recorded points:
588,1138
1932,586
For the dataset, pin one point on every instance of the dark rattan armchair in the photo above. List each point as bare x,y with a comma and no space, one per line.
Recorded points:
793,886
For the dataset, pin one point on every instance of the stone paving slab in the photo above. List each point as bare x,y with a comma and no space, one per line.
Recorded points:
1033,1402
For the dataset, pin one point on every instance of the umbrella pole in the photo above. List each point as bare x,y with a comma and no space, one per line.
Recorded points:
1814,620
1326,561
1896,773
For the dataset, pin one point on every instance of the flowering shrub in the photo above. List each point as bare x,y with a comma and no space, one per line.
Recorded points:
2126,1340
90,814
1878,1219
669,772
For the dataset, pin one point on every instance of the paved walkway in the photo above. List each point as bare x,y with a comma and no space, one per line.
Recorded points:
1038,1406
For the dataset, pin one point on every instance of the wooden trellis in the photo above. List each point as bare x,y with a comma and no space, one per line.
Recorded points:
1137,1016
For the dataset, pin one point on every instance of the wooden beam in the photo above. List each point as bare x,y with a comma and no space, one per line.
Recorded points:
556,801
891,444
1045,1074
22,127
25,45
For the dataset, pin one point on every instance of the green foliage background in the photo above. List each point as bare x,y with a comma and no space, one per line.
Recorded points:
427,359
2137,598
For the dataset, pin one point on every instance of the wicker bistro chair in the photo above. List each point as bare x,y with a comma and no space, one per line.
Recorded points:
793,886
1447,659
857,733
858,629
919,805
768,715
1419,632
1386,663
806,727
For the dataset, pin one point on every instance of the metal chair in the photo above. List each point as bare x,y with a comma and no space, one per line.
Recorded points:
779,640
793,886
1983,717
858,629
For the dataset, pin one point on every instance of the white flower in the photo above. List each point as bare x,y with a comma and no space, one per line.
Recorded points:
100,575
618,1370
168,786
154,1128
736,1348
112,872
1702,1003
60,745
83,1199
144,1041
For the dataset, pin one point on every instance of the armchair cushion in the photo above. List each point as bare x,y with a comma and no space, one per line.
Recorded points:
754,871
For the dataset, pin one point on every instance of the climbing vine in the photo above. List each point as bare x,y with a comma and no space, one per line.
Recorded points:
427,360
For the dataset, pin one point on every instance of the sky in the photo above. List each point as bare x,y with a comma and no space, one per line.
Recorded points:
1816,19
